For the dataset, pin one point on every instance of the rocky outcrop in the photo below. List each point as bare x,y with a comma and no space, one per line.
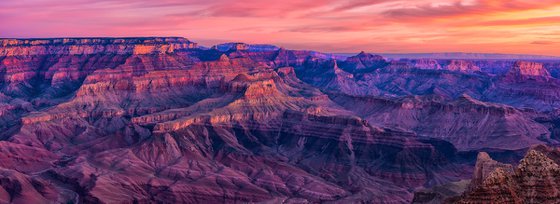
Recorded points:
535,180
364,62
484,167
524,69
462,66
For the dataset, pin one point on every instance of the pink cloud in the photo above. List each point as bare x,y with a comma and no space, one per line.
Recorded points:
327,25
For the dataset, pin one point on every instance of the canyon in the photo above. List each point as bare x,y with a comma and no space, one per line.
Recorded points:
164,120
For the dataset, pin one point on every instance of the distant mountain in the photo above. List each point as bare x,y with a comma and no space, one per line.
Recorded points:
460,55
234,46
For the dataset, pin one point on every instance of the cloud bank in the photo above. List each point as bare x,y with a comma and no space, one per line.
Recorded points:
506,26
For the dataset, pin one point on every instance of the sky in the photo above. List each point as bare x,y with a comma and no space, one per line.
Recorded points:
340,26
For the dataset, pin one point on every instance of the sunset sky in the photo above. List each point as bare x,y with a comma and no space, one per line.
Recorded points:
491,26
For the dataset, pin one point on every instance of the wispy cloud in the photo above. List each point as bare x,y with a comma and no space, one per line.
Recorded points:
544,42
328,25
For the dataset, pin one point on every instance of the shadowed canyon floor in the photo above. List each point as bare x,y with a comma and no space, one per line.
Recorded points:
143,120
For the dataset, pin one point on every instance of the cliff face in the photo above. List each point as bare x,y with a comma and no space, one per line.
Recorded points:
485,166
123,120
526,84
468,123
88,46
528,69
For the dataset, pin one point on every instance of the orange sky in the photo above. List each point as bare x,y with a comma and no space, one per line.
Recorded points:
493,26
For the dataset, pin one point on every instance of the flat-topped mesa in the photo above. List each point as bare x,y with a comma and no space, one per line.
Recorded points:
231,47
526,69
81,46
236,46
462,66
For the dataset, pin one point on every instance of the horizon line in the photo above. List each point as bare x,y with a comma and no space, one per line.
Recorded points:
326,52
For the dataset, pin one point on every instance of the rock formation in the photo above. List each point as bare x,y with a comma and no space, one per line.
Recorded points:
462,66
87,46
484,167
245,47
535,180
524,69
526,84
364,62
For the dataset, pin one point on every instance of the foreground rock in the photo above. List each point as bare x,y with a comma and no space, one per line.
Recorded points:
534,180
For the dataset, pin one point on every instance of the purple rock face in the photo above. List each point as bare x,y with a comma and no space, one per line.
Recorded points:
124,120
